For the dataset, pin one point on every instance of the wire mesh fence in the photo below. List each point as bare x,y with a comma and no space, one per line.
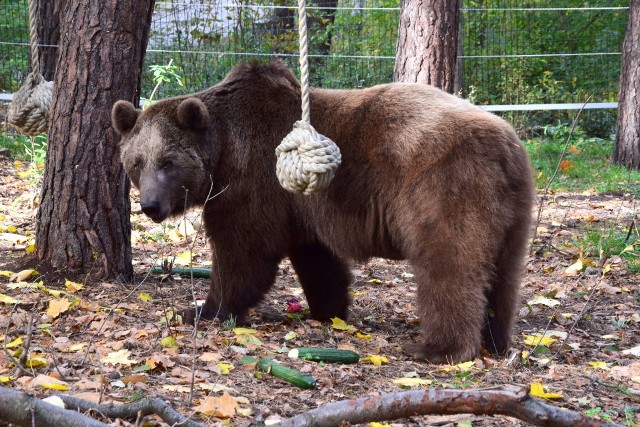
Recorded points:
512,52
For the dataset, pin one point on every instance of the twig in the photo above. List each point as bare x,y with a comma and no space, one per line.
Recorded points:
555,173
512,401
27,344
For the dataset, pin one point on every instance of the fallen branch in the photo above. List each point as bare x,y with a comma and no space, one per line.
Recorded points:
513,401
22,409
142,407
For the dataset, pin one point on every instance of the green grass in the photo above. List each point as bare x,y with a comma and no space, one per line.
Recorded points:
603,243
24,148
587,163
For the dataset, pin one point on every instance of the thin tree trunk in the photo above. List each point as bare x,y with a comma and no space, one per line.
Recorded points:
627,151
49,12
427,42
83,222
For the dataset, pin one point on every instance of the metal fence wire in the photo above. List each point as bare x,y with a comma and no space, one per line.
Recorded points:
513,53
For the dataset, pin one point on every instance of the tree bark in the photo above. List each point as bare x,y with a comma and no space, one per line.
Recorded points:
426,50
83,224
627,150
49,12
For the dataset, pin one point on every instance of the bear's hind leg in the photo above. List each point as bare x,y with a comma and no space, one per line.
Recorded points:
325,279
504,295
452,274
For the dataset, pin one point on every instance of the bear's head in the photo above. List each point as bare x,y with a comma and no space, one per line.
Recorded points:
163,152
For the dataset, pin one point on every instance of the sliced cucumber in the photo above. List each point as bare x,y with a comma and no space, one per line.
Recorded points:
198,273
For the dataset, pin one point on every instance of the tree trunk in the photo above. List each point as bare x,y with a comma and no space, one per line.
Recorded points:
627,151
83,224
427,44
49,12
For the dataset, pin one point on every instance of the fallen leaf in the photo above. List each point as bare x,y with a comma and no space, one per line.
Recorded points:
55,401
144,297
169,342
411,382
221,407
566,166
37,363
537,390
177,388
49,383
6,299
376,359
635,351
575,268
225,368
364,337
5,379
76,347
73,286
120,357
599,365
132,379
23,275
15,343
244,331
341,325
537,339
375,424
183,258
30,249
58,306
6,273
541,300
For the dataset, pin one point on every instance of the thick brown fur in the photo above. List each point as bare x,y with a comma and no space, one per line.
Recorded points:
425,176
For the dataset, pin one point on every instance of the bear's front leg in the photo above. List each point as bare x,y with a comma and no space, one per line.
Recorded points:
238,282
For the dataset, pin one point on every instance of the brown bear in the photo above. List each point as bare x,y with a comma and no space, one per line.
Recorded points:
425,176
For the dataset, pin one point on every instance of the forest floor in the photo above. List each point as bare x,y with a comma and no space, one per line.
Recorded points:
111,341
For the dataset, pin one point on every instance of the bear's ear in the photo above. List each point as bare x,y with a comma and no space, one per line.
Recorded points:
192,114
124,116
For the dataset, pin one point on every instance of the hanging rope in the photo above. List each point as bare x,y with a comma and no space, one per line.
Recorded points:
29,109
307,160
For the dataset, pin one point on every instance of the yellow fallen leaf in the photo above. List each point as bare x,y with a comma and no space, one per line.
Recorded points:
6,299
120,357
340,325
183,258
143,296
50,383
225,368
376,359
365,337
244,331
374,424
169,342
537,390
23,275
599,365
6,273
24,174
542,300
221,407
37,363
636,379
376,281
537,339
58,306
12,229
73,286
411,382
30,249
15,343
5,379
575,268
76,347
465,366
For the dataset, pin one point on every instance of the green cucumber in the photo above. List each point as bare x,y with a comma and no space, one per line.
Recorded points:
329,355
198,273
292,376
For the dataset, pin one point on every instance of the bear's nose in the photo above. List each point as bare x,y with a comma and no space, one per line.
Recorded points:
151,209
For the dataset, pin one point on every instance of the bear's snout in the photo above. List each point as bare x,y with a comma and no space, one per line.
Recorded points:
153,210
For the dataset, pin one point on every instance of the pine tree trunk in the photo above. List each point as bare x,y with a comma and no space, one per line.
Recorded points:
427,42
83,222
49,12
627,151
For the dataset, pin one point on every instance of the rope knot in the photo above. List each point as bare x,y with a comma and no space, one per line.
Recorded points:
29,109
307,160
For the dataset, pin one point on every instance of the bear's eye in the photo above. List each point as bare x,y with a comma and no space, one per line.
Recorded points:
137,165
166,164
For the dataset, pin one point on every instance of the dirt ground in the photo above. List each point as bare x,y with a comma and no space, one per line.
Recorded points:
110,340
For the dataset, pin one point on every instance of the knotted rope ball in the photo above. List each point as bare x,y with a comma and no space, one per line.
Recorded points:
29,109
306,160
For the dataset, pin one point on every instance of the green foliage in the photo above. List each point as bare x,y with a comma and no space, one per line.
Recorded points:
587,163
25,148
